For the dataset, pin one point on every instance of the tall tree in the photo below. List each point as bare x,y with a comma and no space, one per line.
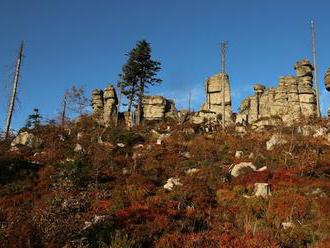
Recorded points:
138,74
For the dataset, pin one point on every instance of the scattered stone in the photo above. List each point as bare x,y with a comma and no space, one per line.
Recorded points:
188,131
251,156
275,140
97,219
187,155
78,148
171,183
159,141
27,139
192,171
320,132
262,189
79,136
239,154
205,116
14,149
125,171
287,225
306,130
239,169
263,168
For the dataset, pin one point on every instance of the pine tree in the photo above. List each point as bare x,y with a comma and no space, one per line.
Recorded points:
34,119
137,75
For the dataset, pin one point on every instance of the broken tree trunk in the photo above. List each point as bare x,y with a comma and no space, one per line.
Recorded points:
14,91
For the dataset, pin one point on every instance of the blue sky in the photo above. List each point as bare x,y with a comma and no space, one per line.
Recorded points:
83,43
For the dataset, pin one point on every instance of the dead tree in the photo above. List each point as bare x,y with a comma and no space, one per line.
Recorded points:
63,114
14,91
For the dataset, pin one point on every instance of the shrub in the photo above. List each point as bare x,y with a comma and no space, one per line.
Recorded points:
120,135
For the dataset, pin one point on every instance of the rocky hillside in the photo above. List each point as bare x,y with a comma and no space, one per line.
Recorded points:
166,186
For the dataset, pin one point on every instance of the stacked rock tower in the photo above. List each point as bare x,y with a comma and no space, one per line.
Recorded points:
104,104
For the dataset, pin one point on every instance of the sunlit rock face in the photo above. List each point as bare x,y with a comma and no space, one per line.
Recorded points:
327,85
104,104
157,108
214,96
327,80
110,105
293,99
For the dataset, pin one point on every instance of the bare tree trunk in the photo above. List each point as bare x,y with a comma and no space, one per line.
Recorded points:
140,104
14,91
118,108
131,98
64,110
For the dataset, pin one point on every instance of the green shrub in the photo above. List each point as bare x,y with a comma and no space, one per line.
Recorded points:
77,171
120,135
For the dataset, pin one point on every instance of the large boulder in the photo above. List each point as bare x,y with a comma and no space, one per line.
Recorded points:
27,139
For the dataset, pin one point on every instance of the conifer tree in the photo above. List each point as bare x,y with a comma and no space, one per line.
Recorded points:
34,119
137,75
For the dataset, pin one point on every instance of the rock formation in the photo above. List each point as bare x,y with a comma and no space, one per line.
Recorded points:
157,108
214,96
97,103
211,110
27,139
327,85
293,99
110,105
104,104
327,80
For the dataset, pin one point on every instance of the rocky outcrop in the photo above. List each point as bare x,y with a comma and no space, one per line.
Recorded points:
110,105
97,104
293,99
104,104
327,80
214,96
157,108
212,110
327,85
27,139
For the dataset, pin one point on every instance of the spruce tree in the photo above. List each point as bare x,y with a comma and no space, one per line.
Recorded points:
33,120
137,75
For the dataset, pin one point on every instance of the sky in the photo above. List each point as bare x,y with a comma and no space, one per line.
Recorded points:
84,42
